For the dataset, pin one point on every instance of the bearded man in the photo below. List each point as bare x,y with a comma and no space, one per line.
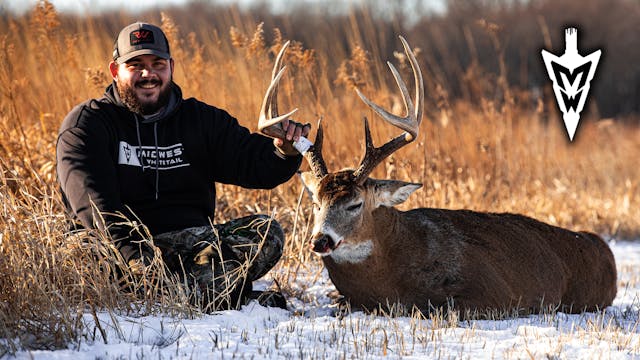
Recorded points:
143,155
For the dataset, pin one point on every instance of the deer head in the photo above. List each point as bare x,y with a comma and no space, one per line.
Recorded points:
344,201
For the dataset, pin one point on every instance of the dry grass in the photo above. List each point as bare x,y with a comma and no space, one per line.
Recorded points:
493,153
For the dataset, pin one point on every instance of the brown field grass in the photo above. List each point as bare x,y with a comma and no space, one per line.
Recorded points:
496,154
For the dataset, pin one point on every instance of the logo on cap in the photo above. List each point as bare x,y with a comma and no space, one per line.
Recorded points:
140,37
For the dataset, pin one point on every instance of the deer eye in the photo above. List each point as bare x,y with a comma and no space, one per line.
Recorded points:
354,207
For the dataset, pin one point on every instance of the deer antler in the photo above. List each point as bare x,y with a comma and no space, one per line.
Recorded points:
269,122
410,123
314,154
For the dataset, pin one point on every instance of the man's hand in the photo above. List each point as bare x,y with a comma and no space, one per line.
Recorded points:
293,131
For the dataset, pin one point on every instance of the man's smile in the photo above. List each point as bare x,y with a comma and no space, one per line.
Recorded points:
148,84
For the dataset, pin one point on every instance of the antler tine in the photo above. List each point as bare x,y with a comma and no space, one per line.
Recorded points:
374,155
406,123
417,77
269,110
276,74
409,123
314,154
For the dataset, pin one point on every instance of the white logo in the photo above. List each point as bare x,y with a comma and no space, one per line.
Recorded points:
162,157
571,74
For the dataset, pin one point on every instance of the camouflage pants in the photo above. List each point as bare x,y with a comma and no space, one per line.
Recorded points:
219,264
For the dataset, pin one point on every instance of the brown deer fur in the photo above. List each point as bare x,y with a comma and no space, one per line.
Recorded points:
475,261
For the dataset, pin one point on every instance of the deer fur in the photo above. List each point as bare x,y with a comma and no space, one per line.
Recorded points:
435,257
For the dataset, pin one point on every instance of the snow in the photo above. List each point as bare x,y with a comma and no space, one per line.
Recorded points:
312,330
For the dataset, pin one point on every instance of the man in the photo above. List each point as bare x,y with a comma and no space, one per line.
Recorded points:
142,153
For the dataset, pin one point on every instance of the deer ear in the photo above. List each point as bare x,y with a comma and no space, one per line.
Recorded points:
310,182
391,192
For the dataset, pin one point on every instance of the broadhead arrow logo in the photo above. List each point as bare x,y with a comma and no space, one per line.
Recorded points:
571,75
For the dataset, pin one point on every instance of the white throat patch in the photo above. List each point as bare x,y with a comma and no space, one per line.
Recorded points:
352,253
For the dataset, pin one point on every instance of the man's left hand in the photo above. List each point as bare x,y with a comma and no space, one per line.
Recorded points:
293,132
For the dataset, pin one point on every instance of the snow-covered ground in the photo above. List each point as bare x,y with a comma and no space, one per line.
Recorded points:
310,330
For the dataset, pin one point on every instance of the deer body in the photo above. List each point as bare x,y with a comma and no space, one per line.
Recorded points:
377,255
477,261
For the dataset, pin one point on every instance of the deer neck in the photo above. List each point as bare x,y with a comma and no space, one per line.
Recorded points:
353,253
369,241
386,224
373,276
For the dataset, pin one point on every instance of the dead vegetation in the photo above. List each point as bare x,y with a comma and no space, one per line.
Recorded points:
496,147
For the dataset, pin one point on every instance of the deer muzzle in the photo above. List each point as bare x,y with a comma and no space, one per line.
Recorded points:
322,244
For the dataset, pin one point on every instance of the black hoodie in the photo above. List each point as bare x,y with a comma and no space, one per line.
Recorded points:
159,171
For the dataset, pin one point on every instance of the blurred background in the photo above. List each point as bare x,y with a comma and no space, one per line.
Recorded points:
457,37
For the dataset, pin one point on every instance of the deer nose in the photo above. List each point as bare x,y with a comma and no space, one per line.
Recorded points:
322,243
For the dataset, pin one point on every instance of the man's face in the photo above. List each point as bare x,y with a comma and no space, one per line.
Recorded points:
144,82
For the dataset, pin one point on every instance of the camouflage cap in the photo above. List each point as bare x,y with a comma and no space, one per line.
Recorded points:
140,39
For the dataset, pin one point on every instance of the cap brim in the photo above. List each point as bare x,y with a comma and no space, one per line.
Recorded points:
123,59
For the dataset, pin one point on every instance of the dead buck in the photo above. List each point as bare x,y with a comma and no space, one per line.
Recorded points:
378,255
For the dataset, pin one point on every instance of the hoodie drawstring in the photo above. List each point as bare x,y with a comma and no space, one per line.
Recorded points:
142,163
140,154
155,139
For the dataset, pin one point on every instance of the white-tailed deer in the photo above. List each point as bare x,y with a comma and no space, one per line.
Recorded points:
377,255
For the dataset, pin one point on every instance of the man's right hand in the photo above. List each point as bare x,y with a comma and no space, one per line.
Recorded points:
292,132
